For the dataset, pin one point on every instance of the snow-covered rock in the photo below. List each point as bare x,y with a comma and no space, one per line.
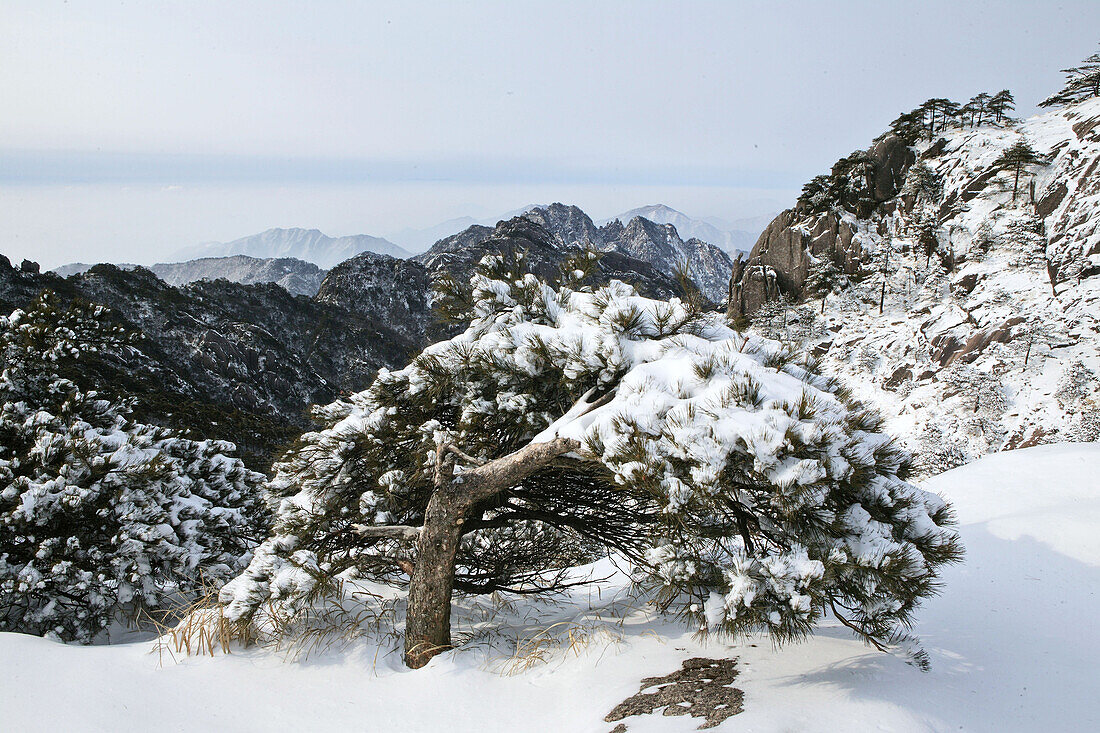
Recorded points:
295,276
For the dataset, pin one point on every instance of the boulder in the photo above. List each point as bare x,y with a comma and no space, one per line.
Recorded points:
892,158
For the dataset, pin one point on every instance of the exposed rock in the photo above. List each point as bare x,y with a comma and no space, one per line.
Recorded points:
1051,200
30,267
891,158
901,374
786,245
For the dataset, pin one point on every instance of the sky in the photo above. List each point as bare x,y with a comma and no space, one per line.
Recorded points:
133,129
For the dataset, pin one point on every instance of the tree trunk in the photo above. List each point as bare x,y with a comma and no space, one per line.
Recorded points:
428,620
1016,184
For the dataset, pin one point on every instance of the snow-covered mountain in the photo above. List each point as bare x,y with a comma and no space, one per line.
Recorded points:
722,234
658,245
310,245
972,320
296,276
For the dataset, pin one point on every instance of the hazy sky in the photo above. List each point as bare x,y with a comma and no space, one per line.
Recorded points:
132,129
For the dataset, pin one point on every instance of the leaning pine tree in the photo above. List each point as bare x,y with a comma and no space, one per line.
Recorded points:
102,517
755,493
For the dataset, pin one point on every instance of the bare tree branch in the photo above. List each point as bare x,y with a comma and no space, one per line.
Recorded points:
468,458
388,532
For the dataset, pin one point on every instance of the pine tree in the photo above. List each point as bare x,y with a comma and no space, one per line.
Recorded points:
979,105
922,183
1001,103
647,427
101,516
909,126
1018,158
1082,82
824,277
968,113
941,110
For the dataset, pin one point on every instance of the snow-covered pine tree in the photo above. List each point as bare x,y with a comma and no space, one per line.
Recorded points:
760,495
1082,82
1018,158
101,516
823,278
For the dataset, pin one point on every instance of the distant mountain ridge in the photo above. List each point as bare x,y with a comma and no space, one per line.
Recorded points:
310,245
734,236
658,245
724,235
244,362
295,276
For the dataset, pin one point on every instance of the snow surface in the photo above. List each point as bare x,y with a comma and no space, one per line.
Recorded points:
1010,639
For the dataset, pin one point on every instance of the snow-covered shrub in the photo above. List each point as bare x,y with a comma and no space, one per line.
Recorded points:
983,392
939,451
985,240
745,487
1086,428
773,318
99,515
1076,383
868,358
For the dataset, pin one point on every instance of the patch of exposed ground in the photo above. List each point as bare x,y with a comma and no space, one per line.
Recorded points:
700,689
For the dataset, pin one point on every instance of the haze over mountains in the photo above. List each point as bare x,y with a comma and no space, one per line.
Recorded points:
298,259
309,245
732,236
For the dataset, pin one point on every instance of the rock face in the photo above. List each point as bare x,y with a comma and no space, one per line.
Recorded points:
786,245
392,291
295,276
302,244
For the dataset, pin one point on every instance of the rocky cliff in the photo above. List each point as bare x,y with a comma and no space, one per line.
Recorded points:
780,259
969,315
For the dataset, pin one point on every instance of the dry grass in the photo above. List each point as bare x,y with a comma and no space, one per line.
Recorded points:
513,635
331,618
